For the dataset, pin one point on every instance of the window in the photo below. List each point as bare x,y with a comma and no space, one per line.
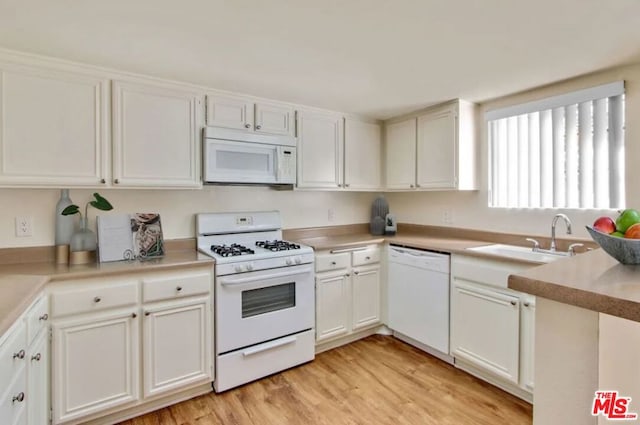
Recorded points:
562,152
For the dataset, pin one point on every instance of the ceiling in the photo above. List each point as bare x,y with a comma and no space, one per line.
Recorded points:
374,57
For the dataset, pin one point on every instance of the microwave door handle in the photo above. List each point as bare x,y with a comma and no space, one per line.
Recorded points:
230,281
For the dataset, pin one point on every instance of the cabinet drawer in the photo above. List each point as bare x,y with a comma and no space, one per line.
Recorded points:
14,412
488,272
368,256
95,298
37,318
15,344
328,262
177,286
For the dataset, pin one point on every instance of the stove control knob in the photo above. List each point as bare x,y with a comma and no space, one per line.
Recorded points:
238,269
249,267
289,261
298,260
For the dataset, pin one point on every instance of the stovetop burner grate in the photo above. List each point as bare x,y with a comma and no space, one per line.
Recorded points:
231,250
277,245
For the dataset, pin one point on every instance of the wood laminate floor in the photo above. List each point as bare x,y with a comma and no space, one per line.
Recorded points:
377,380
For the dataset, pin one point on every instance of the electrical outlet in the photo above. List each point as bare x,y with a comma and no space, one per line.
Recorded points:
447,217
23,226
331,215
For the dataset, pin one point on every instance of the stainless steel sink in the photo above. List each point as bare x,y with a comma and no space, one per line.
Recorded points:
519,253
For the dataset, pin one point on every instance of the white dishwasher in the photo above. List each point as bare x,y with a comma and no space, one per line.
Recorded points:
419,297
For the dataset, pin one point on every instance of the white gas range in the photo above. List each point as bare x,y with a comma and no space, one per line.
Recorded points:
264,296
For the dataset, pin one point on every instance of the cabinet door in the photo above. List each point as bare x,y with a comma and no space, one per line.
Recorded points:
436,156
38,382
362,155
156,130
332,306
230,112
272,118
527,342
401,154
177,345
485,329
365,291
320,149
94,364
54,127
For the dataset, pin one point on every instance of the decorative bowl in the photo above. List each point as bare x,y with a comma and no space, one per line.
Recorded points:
626,251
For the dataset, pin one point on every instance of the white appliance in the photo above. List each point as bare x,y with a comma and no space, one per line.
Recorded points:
264,296
419,298
234,156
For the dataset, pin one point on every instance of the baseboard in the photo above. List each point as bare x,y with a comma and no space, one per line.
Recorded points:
430,350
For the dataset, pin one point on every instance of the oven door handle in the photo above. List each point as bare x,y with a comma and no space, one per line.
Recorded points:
230,281
269,345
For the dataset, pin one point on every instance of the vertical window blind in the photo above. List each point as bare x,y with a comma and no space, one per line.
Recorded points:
561,152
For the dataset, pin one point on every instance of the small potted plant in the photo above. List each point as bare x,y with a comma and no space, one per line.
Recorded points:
83,240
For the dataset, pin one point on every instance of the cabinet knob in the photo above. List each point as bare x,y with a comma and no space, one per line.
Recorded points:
44,317
19,355
367,258
513,303
178,288
526,304
116,181
346,185
97,299
133,315
37,357
247,126
333,263
411,186
103,181
356,273
348,274
258,127
146,313
19,398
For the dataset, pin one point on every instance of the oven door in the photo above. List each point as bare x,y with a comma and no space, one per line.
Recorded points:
229,161
259,306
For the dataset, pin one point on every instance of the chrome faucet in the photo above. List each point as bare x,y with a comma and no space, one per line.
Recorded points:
553,229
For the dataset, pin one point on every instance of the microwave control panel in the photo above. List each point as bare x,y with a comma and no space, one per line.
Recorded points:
286,164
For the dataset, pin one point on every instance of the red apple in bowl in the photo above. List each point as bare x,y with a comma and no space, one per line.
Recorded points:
633,232
605,225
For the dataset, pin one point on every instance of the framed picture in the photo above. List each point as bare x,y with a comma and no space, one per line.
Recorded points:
147,235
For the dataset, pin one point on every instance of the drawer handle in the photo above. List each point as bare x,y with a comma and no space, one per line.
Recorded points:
44,317
37,357
97,299
513,303
179,288
19,355
19,398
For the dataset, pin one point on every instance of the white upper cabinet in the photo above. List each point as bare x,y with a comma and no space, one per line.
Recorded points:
436,165
362,155
433,150
156,134
400,154
320,149
244,113
54,128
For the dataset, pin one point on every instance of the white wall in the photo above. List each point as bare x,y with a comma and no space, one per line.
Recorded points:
470,210
177,208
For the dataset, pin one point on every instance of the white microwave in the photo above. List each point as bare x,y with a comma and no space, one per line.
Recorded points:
238,157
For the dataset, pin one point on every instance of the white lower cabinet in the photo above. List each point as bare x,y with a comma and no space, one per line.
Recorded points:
24,368
95,364
348,289
122,343
485,329
492,327
168,329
